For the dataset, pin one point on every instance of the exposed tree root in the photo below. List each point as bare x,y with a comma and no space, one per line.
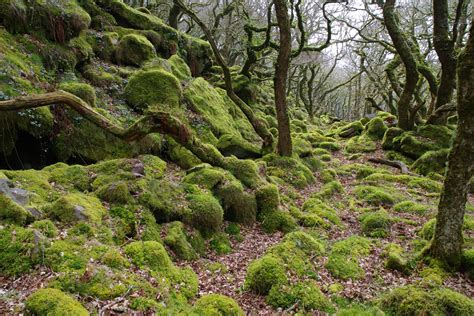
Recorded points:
392,163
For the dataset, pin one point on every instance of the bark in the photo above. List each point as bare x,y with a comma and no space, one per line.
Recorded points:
284,146
444,46
400,41
173,17
258,125
448,239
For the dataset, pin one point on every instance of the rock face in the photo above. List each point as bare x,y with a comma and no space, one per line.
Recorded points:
18,195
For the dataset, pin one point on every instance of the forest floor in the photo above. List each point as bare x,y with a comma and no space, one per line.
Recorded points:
225,274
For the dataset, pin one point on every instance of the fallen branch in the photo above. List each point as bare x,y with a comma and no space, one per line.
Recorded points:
392,163
152,122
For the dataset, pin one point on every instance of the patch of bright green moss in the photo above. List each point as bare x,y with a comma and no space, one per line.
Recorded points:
153,88
81,90
216,304
411,207
344,258
134,50
148,254
177,240
411,300
53,302
46,227
264,273
376,224
75,207
291,170
376,195
360,144
306,293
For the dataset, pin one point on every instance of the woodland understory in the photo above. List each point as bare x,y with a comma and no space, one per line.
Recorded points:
236,157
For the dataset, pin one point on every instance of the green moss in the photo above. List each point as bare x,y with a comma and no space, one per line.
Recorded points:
431,161
77,207
206,212
411,300
153,88
69,177
177,240
325,215
268,200
291,170
114,259
134,50
217,113
360,144
216,304
53,302
148,254
235,145
239,205
296,251
100,283
306,294
356,126
81,47
427,231
328,175
247,171
46,227
12,212
376,195
376,224
220,243
279,220
20,250
359,170
411,207
331,146
179,68
394,258
467,262
180,155
81,90
329,189
343,262
264,273
115,193
102,77
65,256
427,138
376,128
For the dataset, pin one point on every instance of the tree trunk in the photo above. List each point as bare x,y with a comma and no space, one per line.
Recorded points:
444,46
173,17
284,146
447,241
411,73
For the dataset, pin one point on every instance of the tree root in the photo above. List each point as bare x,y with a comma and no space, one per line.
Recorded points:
392,163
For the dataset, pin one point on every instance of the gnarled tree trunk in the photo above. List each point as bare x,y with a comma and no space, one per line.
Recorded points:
402,46
447,241
284,146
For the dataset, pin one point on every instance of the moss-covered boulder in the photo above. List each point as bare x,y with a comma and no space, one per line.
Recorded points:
233,145
431,161
376,128
412,300
306,293
216,304
395,258
153,88
360,144
149,254
177,239
19,250
343,262
264,273
134,50
206,212
53,302
81,90
76,207
351,129
289,169
376,224
58,20
11,211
